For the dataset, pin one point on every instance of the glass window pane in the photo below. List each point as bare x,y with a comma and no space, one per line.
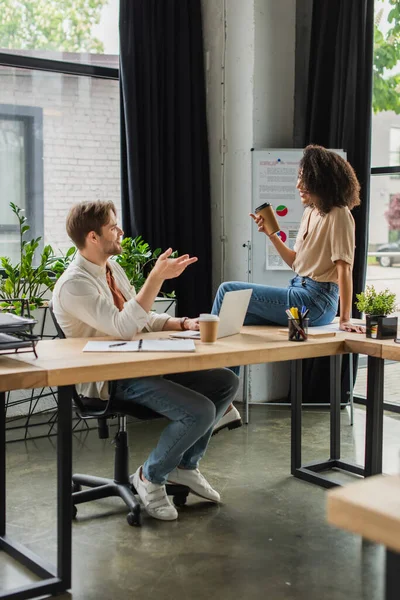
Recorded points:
82,31
73,148
386,97
383,270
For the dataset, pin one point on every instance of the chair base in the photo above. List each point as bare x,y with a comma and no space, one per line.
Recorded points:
101,487
121,485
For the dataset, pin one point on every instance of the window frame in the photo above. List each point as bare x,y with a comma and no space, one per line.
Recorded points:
32,118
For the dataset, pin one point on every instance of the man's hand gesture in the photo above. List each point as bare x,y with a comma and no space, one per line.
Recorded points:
169,268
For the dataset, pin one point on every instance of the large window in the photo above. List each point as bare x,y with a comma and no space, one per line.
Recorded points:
59,113
383,267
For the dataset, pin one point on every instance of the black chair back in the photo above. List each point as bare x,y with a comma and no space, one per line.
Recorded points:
89,408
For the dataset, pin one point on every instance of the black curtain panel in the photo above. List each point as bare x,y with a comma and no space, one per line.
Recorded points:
164,145
337,114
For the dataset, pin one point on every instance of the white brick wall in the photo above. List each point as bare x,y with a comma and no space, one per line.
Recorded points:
80,140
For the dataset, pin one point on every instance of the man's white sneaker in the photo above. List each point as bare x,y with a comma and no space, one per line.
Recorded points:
195,481
231,420
154,498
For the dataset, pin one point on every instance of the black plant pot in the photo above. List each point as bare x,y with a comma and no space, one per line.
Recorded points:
380,327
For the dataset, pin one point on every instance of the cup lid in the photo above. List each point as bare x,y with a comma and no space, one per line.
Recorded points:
208,317
262,206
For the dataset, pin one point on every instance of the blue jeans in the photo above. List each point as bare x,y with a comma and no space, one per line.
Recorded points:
268,304
192,402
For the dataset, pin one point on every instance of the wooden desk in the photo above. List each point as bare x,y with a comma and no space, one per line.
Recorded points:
371,508
390,350
62,363
65,362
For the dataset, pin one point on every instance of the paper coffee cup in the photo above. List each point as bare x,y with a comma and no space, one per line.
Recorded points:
268,214
208,327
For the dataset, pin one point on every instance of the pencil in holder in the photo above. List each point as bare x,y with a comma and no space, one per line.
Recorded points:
298,330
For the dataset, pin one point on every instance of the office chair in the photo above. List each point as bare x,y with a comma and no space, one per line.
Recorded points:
120,485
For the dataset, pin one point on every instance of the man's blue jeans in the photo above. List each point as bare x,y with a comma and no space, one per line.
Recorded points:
192,402
268,304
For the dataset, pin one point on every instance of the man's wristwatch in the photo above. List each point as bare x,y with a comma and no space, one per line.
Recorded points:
183,319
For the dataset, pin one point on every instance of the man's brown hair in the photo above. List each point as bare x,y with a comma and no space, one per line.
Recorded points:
88,216
330,178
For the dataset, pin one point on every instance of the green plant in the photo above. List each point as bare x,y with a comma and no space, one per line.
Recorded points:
376,303
24,279
137,259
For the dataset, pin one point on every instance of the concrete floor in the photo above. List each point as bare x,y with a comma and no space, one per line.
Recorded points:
268,539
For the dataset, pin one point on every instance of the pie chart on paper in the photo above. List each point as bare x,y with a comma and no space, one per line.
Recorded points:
282,235
281,210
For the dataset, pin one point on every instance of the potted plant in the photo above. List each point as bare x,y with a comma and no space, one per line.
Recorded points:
28,281
137,259
377,306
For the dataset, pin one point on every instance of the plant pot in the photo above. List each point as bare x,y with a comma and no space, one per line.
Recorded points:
380,327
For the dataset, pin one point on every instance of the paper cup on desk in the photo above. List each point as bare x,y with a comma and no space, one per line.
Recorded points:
298,330
208,328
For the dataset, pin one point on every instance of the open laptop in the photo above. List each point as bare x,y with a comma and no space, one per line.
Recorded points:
231,317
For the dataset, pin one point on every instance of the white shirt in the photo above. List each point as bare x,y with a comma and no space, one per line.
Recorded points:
84,307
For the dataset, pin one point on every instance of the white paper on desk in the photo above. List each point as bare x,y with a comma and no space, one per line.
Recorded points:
332,327
164,345
186,334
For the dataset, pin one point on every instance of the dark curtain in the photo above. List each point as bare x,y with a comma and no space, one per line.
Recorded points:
338,115
164,146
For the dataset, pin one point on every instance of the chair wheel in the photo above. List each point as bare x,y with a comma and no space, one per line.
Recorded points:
180,499
134,517
74,511
76,487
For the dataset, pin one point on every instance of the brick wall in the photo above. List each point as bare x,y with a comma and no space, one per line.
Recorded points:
80,139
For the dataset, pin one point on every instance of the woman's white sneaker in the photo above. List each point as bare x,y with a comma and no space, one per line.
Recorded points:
195,481
154,498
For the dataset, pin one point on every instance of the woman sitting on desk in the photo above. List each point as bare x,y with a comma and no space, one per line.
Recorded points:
323,254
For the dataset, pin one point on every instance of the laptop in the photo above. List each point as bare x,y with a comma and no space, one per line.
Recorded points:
231,317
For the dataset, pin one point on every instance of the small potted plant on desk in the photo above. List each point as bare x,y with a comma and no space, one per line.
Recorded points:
377,306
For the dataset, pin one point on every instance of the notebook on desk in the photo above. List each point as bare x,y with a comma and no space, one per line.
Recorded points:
164,345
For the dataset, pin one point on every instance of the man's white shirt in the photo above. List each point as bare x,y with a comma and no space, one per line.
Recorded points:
84,307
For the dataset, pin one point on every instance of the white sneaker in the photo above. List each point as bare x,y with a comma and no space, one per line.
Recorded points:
231,420
195,481
154,497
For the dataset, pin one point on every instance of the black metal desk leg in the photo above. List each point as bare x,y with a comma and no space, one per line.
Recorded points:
335,386
64,485
2,464
296,397
392,575
374,425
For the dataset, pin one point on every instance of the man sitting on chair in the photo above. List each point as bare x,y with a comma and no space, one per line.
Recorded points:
94,298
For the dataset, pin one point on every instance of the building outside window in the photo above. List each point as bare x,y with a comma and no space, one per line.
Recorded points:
59,131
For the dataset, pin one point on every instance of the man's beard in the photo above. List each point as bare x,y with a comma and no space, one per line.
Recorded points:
112,248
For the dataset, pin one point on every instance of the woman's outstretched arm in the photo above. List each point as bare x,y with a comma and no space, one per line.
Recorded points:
286,253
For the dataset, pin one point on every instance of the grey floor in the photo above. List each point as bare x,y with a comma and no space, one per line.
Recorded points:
268,539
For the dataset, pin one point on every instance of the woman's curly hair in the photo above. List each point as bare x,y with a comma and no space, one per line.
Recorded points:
330,178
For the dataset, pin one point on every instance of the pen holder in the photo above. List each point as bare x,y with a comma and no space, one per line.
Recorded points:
298,330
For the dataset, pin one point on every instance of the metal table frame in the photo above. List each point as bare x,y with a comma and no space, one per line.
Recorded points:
312,472
54,580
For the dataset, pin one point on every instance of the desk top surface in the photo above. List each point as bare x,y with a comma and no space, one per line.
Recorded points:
25,374
62,362
370,507
66,363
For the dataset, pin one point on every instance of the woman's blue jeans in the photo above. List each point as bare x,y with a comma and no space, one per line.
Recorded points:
268,304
